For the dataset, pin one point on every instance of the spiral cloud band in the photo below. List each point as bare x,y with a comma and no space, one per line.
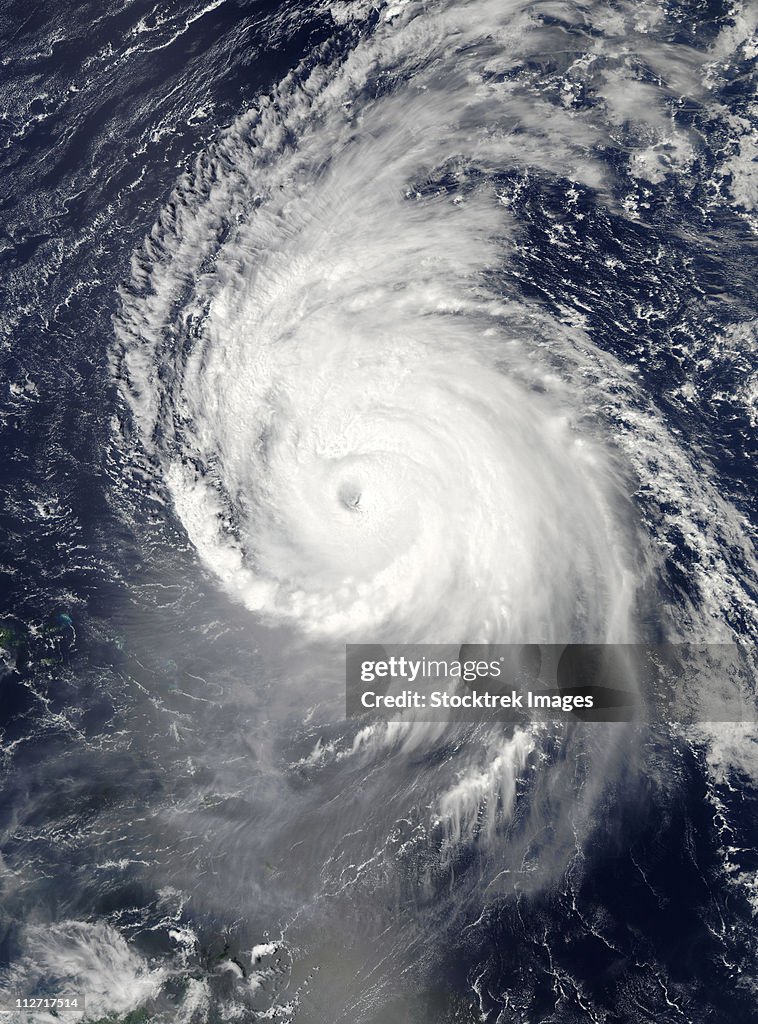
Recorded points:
364,428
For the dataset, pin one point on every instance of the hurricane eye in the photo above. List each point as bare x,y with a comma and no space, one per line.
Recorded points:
350,497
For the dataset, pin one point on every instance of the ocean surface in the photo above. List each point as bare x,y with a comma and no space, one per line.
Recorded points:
414,321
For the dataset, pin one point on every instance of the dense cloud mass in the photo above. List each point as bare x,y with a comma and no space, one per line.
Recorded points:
364,428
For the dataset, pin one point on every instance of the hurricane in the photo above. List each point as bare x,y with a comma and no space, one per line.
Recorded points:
363,429
443,336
